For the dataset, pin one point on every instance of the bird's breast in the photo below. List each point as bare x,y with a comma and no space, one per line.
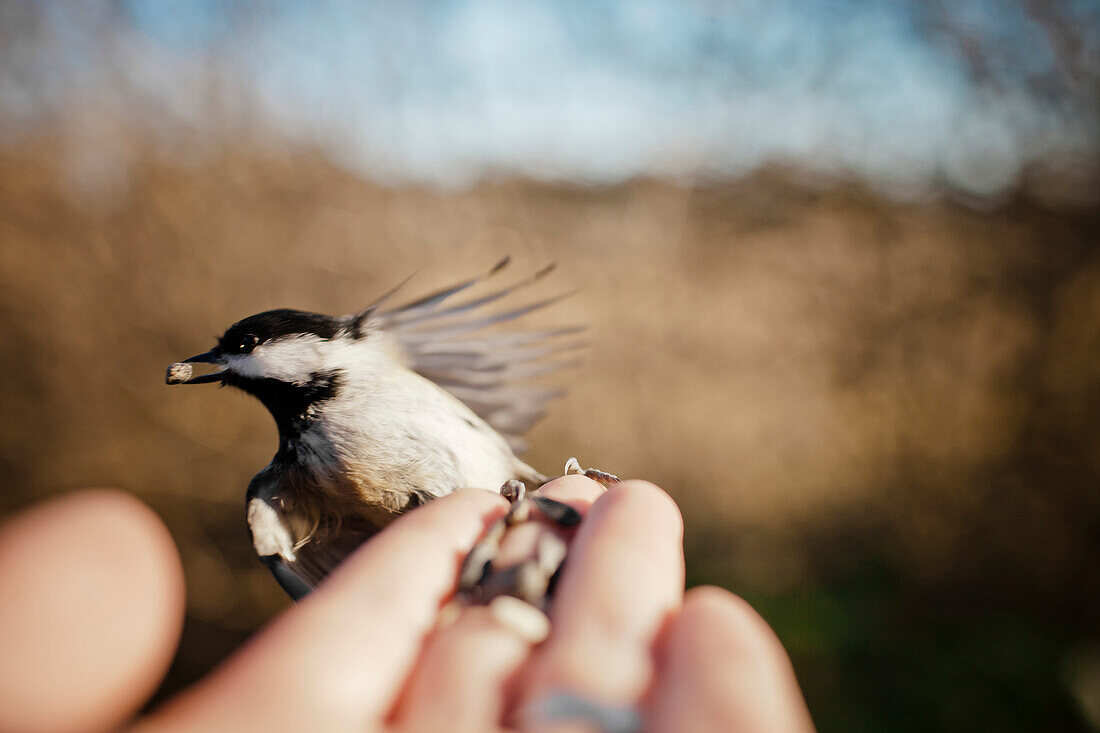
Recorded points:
399,446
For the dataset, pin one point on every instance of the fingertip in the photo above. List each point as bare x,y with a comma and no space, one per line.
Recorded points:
646,498
720,624
712,600
713,603
93,610
707,608
723,668
114,528
89,507
577,491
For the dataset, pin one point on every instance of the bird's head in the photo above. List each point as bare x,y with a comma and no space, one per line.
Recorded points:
288,359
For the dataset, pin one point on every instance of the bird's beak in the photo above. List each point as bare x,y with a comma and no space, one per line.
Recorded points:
180,372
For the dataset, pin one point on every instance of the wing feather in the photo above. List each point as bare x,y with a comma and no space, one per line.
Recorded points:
451,344
314,561
407,318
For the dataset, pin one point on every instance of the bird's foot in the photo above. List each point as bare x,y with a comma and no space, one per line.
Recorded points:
607,480
488,577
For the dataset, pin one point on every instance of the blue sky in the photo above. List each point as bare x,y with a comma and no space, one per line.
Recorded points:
447,92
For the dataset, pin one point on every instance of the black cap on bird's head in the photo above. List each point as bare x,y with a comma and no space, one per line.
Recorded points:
246,334
249,334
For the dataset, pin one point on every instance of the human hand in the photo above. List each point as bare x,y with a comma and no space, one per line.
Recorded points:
364,652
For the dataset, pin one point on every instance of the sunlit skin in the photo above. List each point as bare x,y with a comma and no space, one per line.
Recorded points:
364,651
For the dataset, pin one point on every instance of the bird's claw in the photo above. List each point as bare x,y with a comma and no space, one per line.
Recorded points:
480,582
607,480
513,490
516,596
531,581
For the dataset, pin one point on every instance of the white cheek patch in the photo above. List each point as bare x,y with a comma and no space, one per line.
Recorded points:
293,359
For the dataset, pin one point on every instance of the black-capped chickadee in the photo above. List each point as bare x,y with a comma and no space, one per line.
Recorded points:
383,410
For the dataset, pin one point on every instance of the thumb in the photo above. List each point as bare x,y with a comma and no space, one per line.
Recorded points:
93,604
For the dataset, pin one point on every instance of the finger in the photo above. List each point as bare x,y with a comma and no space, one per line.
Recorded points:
338,659
722,668
92,611
624,574
577,491
459,682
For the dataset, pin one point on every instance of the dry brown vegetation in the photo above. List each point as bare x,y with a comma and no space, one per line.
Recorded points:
820,377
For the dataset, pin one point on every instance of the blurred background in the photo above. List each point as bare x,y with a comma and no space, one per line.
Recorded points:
839,259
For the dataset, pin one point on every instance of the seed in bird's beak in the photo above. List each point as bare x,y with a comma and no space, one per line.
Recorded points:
179,373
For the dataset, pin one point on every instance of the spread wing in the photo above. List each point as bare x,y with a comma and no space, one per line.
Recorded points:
451,342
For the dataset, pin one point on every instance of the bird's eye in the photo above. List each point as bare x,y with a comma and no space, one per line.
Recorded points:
248,343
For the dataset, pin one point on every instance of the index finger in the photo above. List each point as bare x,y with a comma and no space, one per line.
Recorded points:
338,659
623,576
